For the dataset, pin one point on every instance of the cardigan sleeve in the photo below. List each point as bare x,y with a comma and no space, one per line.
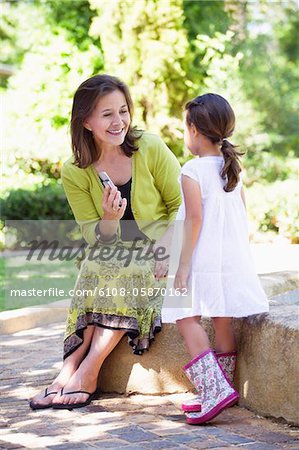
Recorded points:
166,172
80,201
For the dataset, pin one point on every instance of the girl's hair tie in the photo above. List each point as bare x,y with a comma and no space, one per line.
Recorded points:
222,141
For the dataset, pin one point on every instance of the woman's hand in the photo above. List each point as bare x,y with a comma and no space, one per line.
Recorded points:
111,201
161,268
108,225
181,277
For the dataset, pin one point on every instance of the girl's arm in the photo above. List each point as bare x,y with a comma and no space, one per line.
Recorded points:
192,227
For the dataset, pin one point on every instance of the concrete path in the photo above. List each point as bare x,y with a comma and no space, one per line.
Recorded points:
31,358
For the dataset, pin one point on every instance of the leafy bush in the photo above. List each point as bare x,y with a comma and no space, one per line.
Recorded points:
40,202
28,173
274,208
38,214
38,166
265,167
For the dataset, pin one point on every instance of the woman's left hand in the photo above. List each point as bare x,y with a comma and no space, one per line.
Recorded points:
161,269
162,247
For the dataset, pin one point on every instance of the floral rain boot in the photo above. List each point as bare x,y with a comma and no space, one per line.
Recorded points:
215,391
228,363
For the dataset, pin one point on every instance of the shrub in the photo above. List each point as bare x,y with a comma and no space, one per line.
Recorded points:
41,202
39,166
37,214
266,167
274,208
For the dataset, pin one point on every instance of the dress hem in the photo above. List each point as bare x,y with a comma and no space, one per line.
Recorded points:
130,326
208,316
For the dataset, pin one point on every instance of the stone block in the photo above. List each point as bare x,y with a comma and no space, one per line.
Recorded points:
267,369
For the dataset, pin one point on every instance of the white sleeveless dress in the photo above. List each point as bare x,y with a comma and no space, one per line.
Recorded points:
223,281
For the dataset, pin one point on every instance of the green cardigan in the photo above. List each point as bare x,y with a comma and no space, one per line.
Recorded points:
155,194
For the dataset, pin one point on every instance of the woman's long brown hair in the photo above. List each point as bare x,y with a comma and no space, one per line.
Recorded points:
85,100
213,117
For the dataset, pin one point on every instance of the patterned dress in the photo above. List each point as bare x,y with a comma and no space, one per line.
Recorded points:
116,288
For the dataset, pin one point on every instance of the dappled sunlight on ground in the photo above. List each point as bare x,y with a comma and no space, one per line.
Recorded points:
54,329
110,421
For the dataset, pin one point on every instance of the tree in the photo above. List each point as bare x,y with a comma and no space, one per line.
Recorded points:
205,18
146,45
60,55
270,73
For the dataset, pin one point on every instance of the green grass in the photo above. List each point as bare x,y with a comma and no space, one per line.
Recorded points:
18,274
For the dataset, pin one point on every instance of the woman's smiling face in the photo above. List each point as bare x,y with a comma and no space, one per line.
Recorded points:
110,120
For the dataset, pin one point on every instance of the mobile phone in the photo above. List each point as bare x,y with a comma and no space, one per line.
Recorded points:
106,181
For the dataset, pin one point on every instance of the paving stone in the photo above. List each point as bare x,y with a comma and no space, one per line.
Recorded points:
161,443
135,436
226,447
294,444
182,438
110,443
164,427
261,446
274,437
9,446
126,429
69,446
208,443
211,430
235,439
128,447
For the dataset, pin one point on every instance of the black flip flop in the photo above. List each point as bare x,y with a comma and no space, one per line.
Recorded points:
40,405
75,405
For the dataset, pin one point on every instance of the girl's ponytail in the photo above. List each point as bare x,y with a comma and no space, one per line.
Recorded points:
232,166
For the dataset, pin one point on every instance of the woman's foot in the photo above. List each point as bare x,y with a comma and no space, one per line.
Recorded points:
44,398
84,379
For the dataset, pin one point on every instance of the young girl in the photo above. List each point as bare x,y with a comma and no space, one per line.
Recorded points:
215,264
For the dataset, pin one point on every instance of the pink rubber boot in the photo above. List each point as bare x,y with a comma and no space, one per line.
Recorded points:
228,363
215,390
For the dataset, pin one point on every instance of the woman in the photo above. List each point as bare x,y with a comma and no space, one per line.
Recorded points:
140,208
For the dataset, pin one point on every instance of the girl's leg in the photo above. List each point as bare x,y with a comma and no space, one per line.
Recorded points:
224,335
70,365
195,337
85,378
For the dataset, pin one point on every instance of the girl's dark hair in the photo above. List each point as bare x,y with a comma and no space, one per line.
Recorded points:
85,100
213,117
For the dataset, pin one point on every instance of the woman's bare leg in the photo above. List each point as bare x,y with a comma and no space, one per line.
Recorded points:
195,338
85,378
70,365
224,335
